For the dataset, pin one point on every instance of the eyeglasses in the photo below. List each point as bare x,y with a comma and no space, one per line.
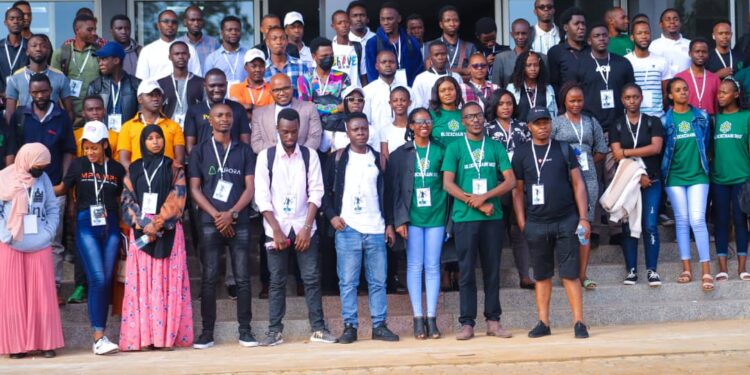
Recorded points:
545,7
474,116
169,20
423,122
479,66
281,89
355,100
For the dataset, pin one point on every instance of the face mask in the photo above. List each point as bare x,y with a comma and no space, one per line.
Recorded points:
36,173
326,63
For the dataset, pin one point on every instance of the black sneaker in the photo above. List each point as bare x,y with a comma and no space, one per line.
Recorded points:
350,334
205,341
540,330
232,292
632,278
653,278
272,339
382,333
581,331
248,340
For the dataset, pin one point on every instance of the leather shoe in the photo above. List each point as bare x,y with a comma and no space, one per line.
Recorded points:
494,328
466,333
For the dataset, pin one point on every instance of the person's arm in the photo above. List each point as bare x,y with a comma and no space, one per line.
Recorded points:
314,131
371,55
125,158
131,208
171,211
476,201
519,207
10,109
67,103
52,211
450,187
256,135
200,199
179,154
329,197
581,197
641,152
314,200
190,142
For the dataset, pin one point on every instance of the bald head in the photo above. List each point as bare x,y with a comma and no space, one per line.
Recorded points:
281,89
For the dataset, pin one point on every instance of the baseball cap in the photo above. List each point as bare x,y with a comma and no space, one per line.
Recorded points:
253,54
148,86
293,17
95,131
347,91
111,49
537,114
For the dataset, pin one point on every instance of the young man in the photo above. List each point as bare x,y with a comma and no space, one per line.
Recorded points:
229,56
221,183
202,44
378,94
478,89
485,30
266,23
154,62
359,209
672,46
389,36
120,28
255,91
25,7
279,61
505,61
15,45
347,55
459,50
289,205
470,175
564,57
327,85
294,26
550,204
651,72
617,27
357,12
723,61
702,84
181,88
422,87
415,28
544,35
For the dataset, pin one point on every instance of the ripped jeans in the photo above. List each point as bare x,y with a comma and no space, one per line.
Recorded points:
650,198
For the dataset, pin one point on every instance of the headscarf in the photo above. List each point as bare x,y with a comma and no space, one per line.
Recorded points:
16,182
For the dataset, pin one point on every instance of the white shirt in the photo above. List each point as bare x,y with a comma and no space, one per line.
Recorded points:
153,62
363,40
393,136
306,55
649,72
422,88
345,60
544,40
676,52
377,107
361,182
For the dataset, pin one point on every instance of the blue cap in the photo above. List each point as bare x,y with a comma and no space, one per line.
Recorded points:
111,49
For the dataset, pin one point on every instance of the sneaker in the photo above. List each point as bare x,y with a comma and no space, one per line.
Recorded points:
271,339
632,278
104,346
323,336
205,341
247,339
349,336
79,295
581,331
49,354
540,330
653,278
60,298
384,334
232,292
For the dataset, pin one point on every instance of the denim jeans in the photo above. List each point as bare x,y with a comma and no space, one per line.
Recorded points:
98,249
58,250
212,244
689,206
650,198
724,197
278,261
351,247
423,250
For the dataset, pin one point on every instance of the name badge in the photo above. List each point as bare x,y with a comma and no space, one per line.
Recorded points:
648,99
29,224
148,205
179,118
537,194
223,188
114,122
400,77
583,160
75,87
289,206
359,204
98,215
479,186
424,199
608,99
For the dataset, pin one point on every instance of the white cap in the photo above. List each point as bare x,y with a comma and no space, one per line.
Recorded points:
293,17
148,86
347,91
253,54
95,131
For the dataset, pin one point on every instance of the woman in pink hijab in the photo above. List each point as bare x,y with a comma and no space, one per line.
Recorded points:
29,215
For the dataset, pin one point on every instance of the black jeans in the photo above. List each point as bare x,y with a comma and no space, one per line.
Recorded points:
212,244
486,239
278,262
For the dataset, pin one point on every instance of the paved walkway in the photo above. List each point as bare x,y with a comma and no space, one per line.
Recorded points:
695,347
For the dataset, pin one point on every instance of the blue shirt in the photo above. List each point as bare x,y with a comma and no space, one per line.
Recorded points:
231,63
55,132
44,205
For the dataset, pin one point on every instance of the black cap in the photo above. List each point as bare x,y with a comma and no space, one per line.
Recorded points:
538,113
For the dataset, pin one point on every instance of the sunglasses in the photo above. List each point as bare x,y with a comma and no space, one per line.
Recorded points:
355,100
169,20
479,66
423,122
545,7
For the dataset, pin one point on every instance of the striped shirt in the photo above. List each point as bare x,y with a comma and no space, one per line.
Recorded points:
649,72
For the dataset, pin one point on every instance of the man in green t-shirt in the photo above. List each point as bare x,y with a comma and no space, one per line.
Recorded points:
617,25
471,168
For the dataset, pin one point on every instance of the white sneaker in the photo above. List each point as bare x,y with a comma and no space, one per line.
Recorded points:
104,346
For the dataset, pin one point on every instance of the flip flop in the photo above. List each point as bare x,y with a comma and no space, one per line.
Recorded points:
685,277
722,276
745,276
588,284
707,283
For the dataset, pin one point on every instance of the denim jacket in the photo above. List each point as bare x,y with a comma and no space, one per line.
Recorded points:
702,128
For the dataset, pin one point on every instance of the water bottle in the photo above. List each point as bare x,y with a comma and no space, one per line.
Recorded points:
142,241
581,232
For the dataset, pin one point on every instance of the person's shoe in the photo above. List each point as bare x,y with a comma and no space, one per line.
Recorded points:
232,292
263,291
419,326
581,331
272,339
465,333
494,328
104,346
432,328
78,296
382,333
17,355
527,283
615,239
205,341
653,278
323,336
247,339
300,290
632,278
395,286
60,298
594,240
540,330
445,281
665,220
49,354
349,335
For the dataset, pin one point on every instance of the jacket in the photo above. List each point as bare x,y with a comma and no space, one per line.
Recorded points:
128,93
194,93
411,54
623,196
264,134
702,129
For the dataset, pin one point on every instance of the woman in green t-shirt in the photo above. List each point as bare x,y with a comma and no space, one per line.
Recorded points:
730,168
419,210
445,109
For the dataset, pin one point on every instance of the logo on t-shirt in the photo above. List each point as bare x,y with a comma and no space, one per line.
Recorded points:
453,125
725,127
478,154
424,164
211,171
684,127
38,196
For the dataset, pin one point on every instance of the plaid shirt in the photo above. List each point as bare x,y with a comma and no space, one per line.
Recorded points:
203,48
467,89
299,72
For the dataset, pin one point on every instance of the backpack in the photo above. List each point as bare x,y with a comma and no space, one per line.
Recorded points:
358,50
67,53
271,154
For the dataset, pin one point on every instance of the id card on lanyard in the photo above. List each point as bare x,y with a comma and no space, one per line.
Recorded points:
223,188
479,184
583,157
30,219
114,119
424,195
97,211
606,96
537,190
149,204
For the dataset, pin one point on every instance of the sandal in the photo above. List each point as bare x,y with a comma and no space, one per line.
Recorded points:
588,284
745,276
708,283
722,276
685,277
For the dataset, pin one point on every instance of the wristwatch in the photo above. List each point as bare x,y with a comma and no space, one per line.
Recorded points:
235,215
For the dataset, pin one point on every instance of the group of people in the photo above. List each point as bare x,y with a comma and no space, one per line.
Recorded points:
378,141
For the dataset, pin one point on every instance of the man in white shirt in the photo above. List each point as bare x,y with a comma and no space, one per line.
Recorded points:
153,62
651,71
294,25
357,11
348,55
422,88
378,94
544,34
672,46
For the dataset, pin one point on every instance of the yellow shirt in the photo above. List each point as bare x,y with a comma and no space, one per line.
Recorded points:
130,136
78,133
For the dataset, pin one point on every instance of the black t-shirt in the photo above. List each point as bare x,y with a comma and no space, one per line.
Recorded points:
620,73
7,142
559,200
563,59
81,177
196,121
650,127
714,63
240,163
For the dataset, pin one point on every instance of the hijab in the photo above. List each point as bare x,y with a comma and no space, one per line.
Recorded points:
17,182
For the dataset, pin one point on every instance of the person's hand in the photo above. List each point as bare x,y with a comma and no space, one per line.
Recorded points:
338,223
645,181
403,231
222,220
279,239
476,201
521,225
491,59
487,208
302,242
228,232
724,72
587,226
150,229
618,156
390,236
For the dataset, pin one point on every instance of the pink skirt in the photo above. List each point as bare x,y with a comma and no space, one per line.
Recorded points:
156,309
29,316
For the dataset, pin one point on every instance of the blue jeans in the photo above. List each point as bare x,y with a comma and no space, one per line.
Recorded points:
650,198
689,206
351,246
98,248
725,196
423,250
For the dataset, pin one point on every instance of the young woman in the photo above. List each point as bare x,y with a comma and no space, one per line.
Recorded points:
29,215
585,135
637,135
334,136
504,127
156,308
445,109
729,170
392,137
420,207
529,85
98,183
684,169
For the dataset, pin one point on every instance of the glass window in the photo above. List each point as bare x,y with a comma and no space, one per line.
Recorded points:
52,18
698,16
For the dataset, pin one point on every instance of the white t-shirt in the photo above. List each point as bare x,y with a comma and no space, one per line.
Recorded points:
393,136
153,62
422,88
361,191
676,52
649,72
345,60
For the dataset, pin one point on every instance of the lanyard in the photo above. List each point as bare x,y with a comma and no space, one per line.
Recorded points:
97,187
438,74
218,160
603,70
532,103
208,104
580,124
115,95
232,67
423,166
637,129
325,86
73,59
507,134
731,60
397,46
15,60
149,179
474,160
143,120
252,97
184,91
455,53
536,162
699,93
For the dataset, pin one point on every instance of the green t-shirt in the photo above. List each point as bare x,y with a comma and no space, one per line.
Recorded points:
685,169
447,127
433,215
620,45
491,164
731,163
